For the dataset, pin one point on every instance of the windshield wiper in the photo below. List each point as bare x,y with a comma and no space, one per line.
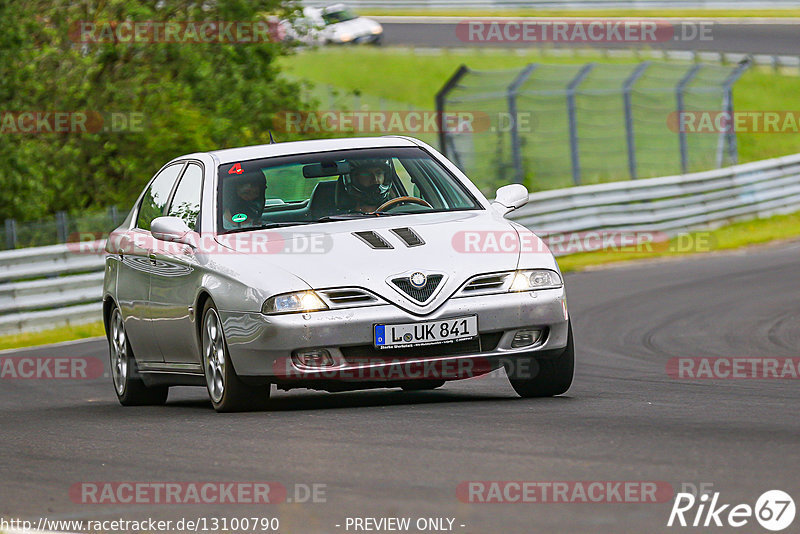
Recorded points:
351,216
266,226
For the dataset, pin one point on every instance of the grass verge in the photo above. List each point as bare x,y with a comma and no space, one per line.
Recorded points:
56,335
400,75
732,236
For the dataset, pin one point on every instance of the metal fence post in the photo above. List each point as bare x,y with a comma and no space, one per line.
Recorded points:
113,214
11,234
679,89
516,149
627,88
440,102
454,157
331,97
61,226
573,123
727,107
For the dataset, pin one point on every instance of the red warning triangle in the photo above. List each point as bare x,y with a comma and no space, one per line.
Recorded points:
236,169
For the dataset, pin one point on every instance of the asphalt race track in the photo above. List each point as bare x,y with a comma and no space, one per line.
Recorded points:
384,453
773,37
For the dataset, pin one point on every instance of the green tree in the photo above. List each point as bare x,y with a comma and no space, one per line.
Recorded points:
190,96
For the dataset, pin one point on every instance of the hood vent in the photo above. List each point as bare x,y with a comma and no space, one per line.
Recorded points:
409,236
423,294
373,240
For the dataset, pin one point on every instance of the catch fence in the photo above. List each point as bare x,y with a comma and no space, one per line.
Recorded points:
551,126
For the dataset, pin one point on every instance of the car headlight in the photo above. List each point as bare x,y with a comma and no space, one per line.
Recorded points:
531,280
298,302
376,30
345,37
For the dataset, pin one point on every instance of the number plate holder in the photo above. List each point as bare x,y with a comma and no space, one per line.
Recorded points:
423,333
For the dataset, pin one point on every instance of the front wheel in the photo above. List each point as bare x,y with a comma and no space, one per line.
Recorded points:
129,387
227,391
553,376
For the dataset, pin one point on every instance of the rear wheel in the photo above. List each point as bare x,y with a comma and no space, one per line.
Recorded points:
227,391
553,376
129,387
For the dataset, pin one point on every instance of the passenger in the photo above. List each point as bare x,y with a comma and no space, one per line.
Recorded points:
244,200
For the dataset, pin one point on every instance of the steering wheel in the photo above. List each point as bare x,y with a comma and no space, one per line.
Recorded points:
401,200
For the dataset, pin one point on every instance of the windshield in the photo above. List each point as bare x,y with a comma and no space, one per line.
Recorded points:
338,16
337,185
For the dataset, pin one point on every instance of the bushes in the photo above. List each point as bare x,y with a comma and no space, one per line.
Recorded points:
181,97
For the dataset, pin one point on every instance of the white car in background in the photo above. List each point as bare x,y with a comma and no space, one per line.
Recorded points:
335,24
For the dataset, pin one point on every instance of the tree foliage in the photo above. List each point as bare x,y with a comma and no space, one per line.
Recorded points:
190,96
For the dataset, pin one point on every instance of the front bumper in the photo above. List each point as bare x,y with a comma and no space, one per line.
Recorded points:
262,345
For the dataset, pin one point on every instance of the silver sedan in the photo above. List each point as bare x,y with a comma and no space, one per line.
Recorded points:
333,265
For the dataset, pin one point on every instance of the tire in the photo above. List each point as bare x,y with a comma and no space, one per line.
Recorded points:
225,389
130,389
422,385
554,375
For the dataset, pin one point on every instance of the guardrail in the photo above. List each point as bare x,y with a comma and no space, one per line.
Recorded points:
670,204
46,287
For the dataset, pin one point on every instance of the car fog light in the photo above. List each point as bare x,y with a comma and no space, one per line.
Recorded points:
523,338
314,358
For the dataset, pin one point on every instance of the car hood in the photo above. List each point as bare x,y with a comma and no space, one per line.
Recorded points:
457,245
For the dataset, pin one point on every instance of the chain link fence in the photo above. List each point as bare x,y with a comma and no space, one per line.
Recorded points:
551,126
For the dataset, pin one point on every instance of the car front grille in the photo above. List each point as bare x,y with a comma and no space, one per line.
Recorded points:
348,297
361,354
420,295
488,283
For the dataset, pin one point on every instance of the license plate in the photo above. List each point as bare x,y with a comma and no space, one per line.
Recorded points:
390,336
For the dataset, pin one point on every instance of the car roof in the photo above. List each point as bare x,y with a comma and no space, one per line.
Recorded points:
232,155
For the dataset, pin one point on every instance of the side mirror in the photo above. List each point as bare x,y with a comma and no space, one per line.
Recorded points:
510,197
172,229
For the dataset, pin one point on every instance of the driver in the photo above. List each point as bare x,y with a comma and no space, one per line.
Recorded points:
368,183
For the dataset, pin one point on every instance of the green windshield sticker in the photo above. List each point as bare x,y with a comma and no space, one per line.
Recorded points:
239,217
